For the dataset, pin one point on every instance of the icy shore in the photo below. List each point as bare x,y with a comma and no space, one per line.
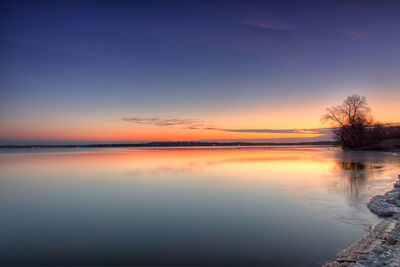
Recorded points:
381,246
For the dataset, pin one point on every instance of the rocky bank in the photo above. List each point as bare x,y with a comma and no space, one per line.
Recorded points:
381,246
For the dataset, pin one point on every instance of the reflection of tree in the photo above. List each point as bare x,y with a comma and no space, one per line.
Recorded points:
355,166
356,178
355,172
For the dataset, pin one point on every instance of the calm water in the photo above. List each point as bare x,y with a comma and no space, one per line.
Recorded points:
187,206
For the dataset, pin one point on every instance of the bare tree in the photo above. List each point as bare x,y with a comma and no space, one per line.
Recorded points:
349,121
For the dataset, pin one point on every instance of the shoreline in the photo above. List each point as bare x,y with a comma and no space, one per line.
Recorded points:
381,245
171,144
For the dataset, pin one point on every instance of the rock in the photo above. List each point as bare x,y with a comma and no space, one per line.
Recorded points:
390,240
345,260
396,233
382,246
381,207
386,205
393,193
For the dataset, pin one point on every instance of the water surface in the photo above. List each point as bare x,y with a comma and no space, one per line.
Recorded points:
274,206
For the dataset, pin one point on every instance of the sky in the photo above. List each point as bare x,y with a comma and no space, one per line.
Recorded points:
128,71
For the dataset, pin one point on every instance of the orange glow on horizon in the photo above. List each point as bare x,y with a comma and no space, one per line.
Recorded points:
97,129
151,133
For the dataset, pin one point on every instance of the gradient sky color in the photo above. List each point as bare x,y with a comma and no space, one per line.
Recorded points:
120,71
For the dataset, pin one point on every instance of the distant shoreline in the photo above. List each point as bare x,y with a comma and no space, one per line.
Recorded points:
174,144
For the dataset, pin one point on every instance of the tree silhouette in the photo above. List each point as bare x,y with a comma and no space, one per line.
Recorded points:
350,121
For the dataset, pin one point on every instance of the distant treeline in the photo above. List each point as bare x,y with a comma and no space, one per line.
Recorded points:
177,144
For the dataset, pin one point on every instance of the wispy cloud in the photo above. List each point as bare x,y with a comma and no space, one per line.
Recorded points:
165,121
197,124
282,131
355,35
313,131
270,25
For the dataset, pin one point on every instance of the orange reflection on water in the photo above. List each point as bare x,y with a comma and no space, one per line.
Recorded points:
241,163
316,178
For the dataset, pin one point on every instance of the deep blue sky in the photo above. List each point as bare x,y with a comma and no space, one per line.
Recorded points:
73,64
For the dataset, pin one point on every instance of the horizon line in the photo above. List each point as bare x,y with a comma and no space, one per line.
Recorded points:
167,143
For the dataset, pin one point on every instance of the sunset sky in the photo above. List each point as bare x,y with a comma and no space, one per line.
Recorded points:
121,71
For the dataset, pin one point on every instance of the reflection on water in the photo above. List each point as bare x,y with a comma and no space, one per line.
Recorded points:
187,206
358,171
355,175
355,166
354,178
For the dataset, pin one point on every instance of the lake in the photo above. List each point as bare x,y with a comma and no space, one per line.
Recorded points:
269,206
